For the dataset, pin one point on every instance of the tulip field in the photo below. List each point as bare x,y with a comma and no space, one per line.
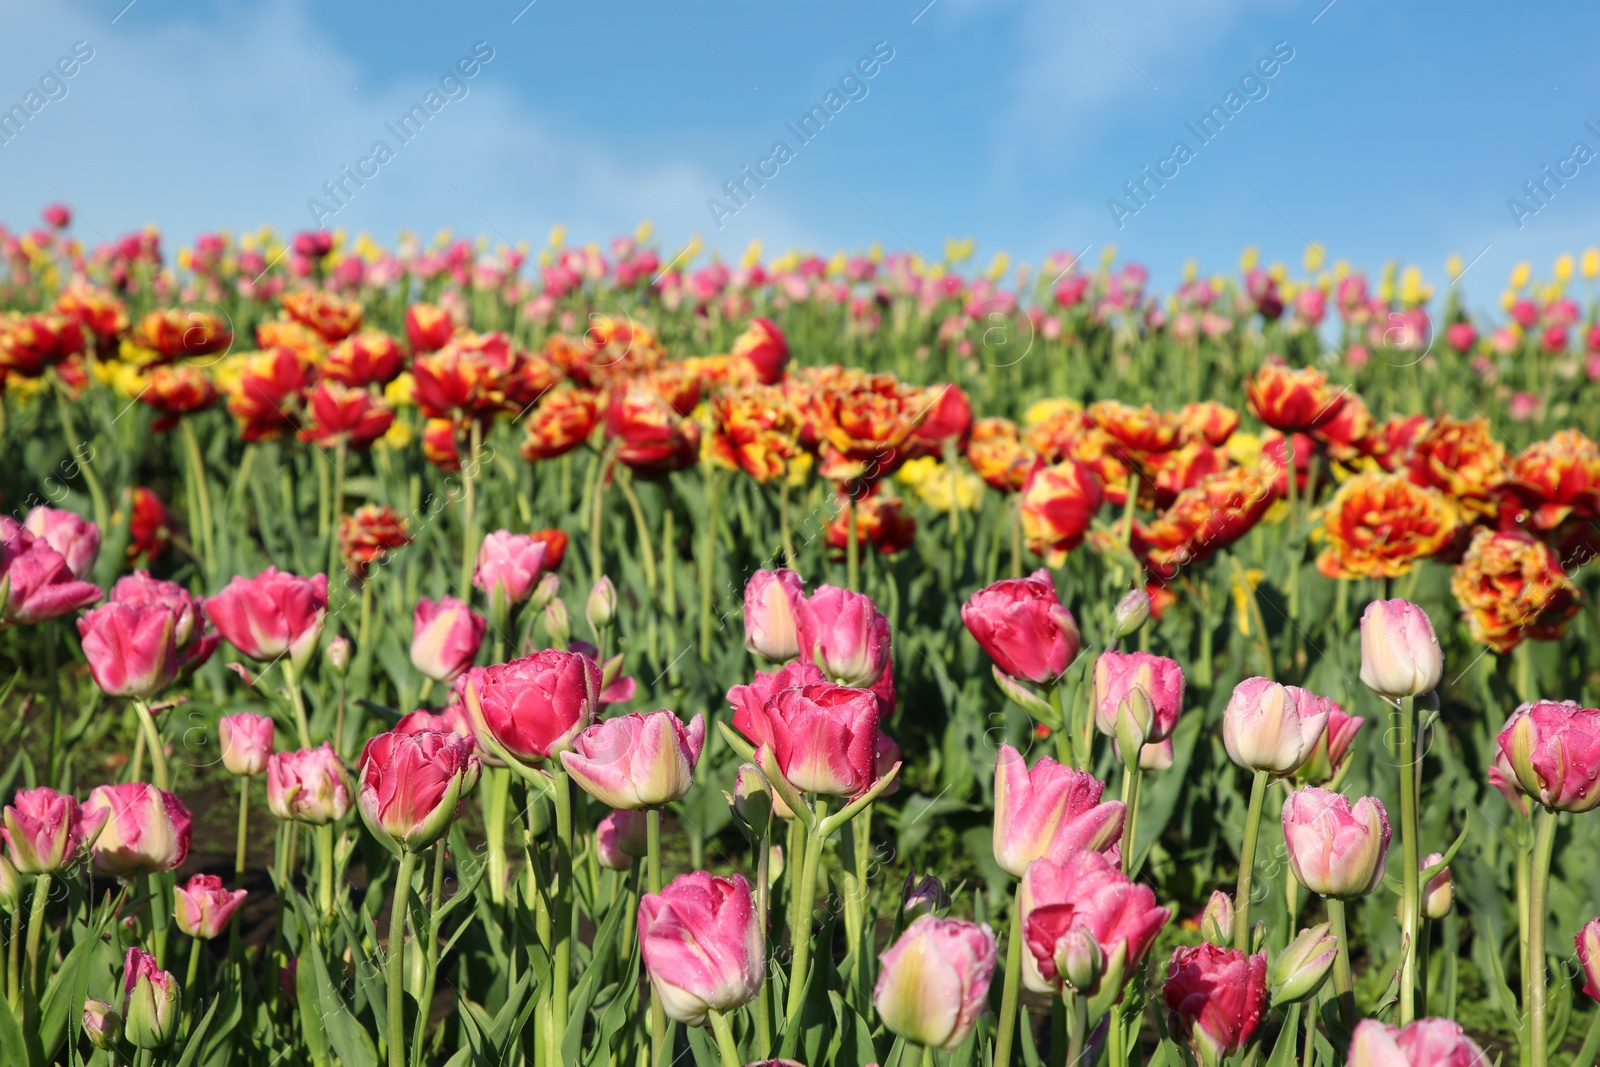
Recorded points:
444,656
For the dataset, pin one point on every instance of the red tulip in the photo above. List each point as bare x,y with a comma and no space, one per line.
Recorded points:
1215,997
412,784
147,829
246,742
702,944
532,707
428,328
934,981
637,761
446,638
46,832
821,738
1084,891
1021,623
771,605
764,346
366,358
310,785
342,414
76,538
1554,749
1048,812
1058,504
845,634
272,615
203,907
1335,848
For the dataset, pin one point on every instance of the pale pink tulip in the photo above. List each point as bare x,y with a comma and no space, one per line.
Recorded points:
1048,811
47,832
1336,848
309,785
845,634
770,605
1400,654
203,907
1272,727
246,741
1423,1043
76,538
146,829
637,761
933,983
1554,751
271,615
509,565
445,638
1084,890
1117,675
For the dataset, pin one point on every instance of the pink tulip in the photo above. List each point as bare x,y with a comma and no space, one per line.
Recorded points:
130,650
411,785
1438,892
203,907
620,838
1554,752
1021,624
451,719
35,581
933,983
246,741
1084,891
46,832
1335,848
1119,674
1423,1043
820,738
534,706
702,944
1588,945
146,829
150,1001
509,565
271,615
637,761
1215,997
1400,654
771,599
747,700
76,538
1272,727
192,643
445,638
310,785
845,634
1048,811
1327,759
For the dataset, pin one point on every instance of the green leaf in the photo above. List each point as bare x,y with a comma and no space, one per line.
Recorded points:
311,1019
347,1036
583,996
197,1036
1284,1052
12,1048
64,997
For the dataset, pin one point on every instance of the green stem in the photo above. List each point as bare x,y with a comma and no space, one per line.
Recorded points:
191,982
708,563
597,514
469,516
1343,983
341,453
800,935
397,956
1538,907
852,550
783,522
1009,993
53,671
1247,863
197,469
1591,1045
927,1056
297,700
658,1014
494,821
431,974
242,842
97,495
722,1026
1411,894
564,892
1424,951
1077,1028
14,962
763,909
1132,778
325,869
41,898
158,754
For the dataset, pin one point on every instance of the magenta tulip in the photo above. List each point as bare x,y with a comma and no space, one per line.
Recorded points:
309,785
1021,624
1400,653
620,838
445,638
821,738
933,982
35,581
1336,848
150,1001
748,700
509,565
131,651
203,907
1215,997
702,944
1048,811
46,832
637,761
1327,759
1423,1043
1554,751
146,829
771,600
451,719
76,538
845,634
1084,891
1119,674
411,785
1588,945
246,741
271,615
534,706
1272,727
190,637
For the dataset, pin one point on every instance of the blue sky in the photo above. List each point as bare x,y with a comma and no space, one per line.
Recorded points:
1395,131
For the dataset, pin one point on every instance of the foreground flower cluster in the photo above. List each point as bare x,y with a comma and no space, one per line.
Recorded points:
417,665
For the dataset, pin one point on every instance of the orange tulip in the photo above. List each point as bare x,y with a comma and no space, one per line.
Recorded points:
1293,401
1139,429
1058,503
1555,480
332,317
1378,525
1204,519
755,430
176,333
560,422
1461,457
999,455
1210,421
1512,588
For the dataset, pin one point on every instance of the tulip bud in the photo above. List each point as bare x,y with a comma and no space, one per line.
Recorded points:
1130,614
775,859
1216,922
338,653
203,907
1134,719
1439,894
545,592
602,605
1301,967
12,887
934,981
608,845
1272,727
557,624
1079,959
102,1023
1400,654
926,895
150,1001
246,742
1588,945
752,798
